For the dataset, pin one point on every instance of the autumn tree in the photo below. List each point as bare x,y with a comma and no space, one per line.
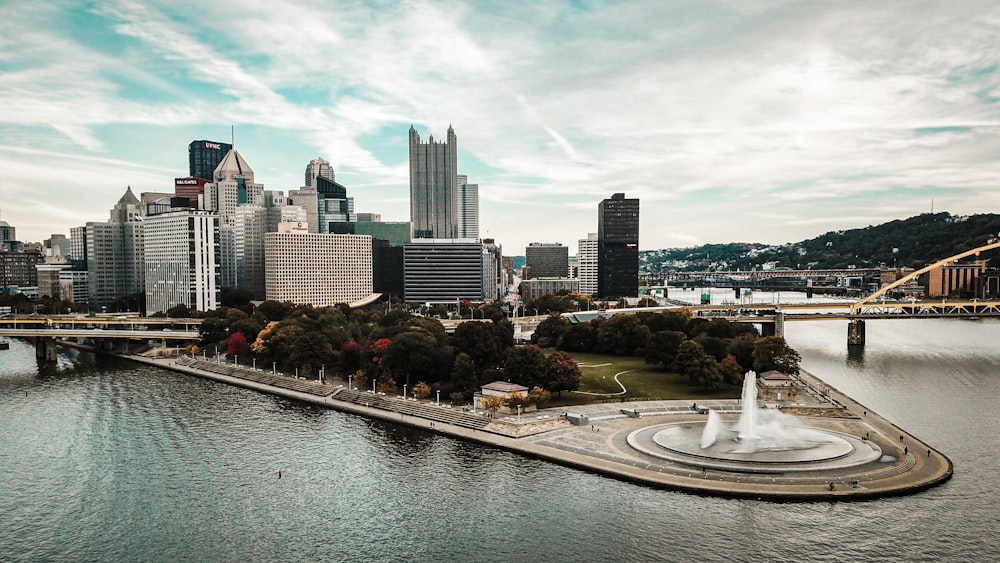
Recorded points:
237,345
538,396
730,370
516,400
561,373
421,390
492,404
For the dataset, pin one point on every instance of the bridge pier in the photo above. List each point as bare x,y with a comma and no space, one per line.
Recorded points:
856,333
45,349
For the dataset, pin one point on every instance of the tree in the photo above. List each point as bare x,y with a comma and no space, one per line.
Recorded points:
561,373
578,338
548,331
700,368
730,370
492,404
272,310
662,347
350,356
421,390
481,342
415,354
622,335
179,311
773,353
525,365
516,400
741,348
237,345
464,375
538,396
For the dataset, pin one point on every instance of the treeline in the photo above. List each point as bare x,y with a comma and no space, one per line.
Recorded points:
383,349
710,353
913,242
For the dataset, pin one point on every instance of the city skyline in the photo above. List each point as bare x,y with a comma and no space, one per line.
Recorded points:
764,123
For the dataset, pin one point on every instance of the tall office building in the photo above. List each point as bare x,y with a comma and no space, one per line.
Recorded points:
586,259
468,208
434,187
318,167
204,157
111,253
250,225
231,187
618,247
324,200
316,268
181,260
547,260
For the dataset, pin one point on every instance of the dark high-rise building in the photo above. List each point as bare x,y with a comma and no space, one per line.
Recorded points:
547,260
618,247
204,157
434,187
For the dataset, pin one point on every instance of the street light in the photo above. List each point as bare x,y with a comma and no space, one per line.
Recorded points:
236,360
518,414
439,397
255,364
349,381
404,391
373,386
274,368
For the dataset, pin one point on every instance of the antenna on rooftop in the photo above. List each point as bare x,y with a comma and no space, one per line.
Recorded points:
232,135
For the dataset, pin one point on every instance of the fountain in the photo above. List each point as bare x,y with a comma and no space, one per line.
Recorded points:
762,440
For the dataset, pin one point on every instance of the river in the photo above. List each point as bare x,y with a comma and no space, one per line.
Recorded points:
107,460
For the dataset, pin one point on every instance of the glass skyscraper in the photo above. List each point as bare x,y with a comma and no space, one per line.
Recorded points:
618,247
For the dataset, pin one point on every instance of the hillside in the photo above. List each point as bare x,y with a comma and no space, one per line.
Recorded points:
913,242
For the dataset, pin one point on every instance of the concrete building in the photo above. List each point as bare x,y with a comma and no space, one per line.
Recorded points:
18,269
191,188
73,285
48,279
204,157
618,247
181,260
538,287
324,200
250,224
434,187
452,270
468,208
959,279
586,259
233,186
317,268
547,260
112,253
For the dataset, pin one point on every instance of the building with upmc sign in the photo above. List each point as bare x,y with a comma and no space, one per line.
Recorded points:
204,157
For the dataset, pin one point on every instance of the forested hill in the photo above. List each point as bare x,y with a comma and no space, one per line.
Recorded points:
913,242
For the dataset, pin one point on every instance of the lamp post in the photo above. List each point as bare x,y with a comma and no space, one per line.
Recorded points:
439,397
236,360
255,364
404,391
322,375
349,381
274,368
519,414
373,386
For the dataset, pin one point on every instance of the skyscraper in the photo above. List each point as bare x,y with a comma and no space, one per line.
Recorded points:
318,167
181,260
434,187
586,258
468,208
618,247
204,157
324,200
232,185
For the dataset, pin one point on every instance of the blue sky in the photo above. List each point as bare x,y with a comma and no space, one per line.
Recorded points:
764,121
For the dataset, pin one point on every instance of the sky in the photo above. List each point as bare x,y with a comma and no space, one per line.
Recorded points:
764,121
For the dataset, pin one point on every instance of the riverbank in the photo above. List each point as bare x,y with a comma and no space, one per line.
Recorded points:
602,445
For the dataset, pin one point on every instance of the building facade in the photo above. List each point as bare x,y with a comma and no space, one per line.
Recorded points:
232,187
444,271
539,287
317,268
586,261
112,253
434,187
468,208
181,260
618,247
204,157
547,260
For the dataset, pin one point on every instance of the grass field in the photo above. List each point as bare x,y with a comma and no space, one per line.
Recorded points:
642,381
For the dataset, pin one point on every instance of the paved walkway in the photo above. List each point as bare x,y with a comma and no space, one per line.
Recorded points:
600,443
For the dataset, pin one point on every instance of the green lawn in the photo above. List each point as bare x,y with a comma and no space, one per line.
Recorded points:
643,381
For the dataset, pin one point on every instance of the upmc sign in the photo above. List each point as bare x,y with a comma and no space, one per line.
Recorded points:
215,146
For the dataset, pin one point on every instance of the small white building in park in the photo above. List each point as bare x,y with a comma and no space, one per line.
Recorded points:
502,389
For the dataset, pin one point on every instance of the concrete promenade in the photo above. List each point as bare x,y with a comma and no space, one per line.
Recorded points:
600,445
